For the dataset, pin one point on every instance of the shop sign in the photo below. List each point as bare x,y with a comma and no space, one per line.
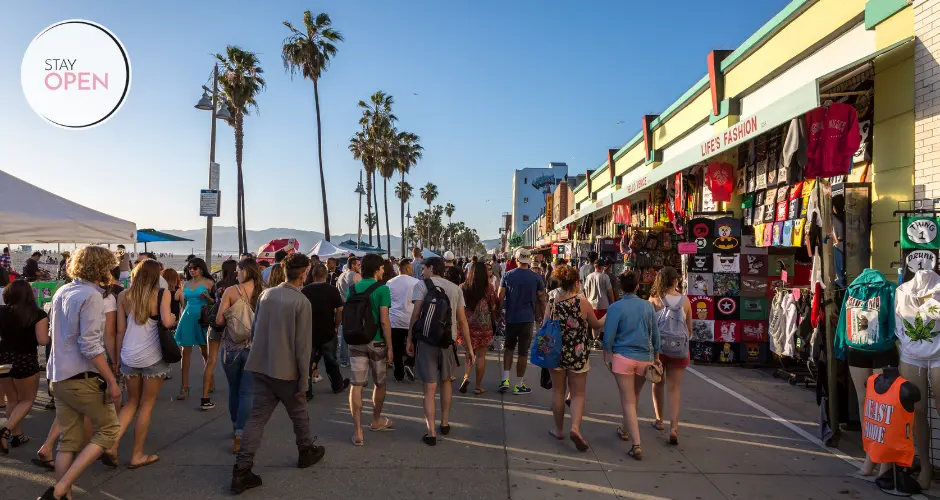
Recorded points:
209,203
688,248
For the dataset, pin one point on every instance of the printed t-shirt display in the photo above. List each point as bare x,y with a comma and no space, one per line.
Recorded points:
917,321
832,140
720,180
867,320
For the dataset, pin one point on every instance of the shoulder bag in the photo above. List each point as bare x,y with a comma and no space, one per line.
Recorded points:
654,372
238,320
168,347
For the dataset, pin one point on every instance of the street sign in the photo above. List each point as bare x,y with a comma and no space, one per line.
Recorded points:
213,176
209,202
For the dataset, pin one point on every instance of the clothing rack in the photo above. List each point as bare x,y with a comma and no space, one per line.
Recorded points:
796,371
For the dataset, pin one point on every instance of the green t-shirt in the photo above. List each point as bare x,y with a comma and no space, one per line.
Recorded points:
381,297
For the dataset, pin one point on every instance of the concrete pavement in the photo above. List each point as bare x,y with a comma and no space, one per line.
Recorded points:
499,448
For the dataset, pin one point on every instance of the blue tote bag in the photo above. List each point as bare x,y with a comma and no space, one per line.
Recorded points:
546,347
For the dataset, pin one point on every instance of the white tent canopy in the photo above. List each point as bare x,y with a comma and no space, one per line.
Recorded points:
32,215
324,250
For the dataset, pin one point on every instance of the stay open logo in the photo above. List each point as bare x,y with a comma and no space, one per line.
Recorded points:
76,74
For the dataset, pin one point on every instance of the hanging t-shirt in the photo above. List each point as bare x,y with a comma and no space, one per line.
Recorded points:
798,227
768,234
758,235
753,308
726,263
701,284
702,230
726,308
727,235
918,260
777,234
832,140
920,232
703,307
700,263
787,233
754,265
720,180
781,211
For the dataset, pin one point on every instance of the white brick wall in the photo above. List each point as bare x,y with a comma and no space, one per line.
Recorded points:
927,99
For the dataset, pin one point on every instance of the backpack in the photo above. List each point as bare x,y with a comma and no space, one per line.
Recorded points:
673,330
359,326
434,323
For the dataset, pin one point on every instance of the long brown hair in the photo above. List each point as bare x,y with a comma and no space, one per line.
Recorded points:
252,274
477,285
145,279
277,275
172,279
665,279
19,297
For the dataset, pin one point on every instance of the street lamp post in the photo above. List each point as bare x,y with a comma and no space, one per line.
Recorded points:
408,218
360,191
222,114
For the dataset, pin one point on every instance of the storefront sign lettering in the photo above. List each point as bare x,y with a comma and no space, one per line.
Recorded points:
737,133
636,185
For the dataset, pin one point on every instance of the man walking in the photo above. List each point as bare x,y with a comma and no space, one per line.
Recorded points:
80,379
327,307
436,363
374,357
402,289
599,291
417,266
280,364
346,280
497,268
587,268
523,291
332,271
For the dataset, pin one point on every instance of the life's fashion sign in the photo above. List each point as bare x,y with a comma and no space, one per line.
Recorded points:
76,74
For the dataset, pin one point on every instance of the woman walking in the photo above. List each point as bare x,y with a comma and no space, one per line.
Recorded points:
482,305
23,327
575,314
631,345
173,284
193,295
215,334
140,307
674,319
237,313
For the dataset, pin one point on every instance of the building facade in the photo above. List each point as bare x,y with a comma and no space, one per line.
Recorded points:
529,187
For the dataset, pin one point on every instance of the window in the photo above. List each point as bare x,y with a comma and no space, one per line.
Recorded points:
525,200
525,218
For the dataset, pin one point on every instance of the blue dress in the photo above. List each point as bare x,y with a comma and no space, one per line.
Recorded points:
188,331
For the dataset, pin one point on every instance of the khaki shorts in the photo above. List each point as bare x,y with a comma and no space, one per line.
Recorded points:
371,357
76,399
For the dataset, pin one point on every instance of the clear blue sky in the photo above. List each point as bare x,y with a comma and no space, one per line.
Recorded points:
500,85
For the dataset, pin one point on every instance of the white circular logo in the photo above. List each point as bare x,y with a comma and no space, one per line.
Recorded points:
922,231
76,74
921,260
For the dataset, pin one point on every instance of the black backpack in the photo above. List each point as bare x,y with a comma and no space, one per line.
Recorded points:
359,326
434,323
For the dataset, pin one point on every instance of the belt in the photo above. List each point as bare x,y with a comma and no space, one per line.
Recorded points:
378,344
84,375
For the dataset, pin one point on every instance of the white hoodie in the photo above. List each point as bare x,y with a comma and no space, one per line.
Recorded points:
917,316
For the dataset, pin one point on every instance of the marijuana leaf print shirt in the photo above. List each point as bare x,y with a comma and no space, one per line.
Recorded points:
917,317
867,320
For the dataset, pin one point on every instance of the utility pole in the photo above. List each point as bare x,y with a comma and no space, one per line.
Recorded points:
215,99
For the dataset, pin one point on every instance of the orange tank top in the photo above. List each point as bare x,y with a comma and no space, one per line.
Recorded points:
887,428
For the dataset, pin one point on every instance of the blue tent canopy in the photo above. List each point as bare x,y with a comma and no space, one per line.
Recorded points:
154,236
363,247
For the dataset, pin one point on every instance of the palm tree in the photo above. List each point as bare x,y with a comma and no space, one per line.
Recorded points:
370,221
241,82
409,152
387,167
449,210
359,147
309,53
403,192
429,194
376,117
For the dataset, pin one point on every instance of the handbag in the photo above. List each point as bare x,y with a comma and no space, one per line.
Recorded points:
168,347
238,320
546,347
545,379
654,372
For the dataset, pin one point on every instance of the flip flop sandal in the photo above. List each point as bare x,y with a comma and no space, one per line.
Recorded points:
357,442
45,464
625,436
636,452
386,427
658,425
579,442
464,385
109,459
674,438
445,429
152,459
19,440
479,390
556,436
429,440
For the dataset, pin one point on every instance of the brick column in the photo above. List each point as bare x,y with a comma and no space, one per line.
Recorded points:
926,99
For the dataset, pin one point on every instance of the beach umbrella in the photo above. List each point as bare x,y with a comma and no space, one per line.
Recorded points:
325,250
427,254
267,251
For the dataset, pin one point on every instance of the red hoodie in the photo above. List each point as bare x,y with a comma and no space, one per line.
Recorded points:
833,140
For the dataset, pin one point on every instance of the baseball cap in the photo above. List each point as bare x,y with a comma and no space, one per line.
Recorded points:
448,255
523,256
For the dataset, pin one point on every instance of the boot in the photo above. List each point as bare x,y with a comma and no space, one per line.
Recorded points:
244,479
310,456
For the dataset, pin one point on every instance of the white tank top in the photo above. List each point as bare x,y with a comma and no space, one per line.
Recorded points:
141,347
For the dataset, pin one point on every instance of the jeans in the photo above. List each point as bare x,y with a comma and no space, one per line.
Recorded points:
327,352
267,393
342,349
399,337
239,387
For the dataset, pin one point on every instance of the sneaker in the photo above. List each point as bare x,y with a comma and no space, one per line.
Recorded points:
345,386
344,364
206,404
504,385
317,379
410,373
244,480
310,456
520,390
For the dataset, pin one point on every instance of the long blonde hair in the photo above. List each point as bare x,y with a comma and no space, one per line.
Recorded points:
277,275
145,279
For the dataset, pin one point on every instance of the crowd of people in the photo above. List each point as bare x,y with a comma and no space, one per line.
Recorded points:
273,325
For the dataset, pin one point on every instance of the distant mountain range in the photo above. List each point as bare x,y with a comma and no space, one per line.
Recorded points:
225,240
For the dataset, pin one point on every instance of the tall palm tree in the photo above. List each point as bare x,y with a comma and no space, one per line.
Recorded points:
449,209
429,194
308,53
387,168
376,118
241,82
403,192
409,152
359,147
370,221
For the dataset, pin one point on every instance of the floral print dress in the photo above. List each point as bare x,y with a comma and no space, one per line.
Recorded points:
575,335
480,321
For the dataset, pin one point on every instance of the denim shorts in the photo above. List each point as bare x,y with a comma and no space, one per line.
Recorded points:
158,369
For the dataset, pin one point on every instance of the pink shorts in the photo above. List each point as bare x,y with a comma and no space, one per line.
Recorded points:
626,366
